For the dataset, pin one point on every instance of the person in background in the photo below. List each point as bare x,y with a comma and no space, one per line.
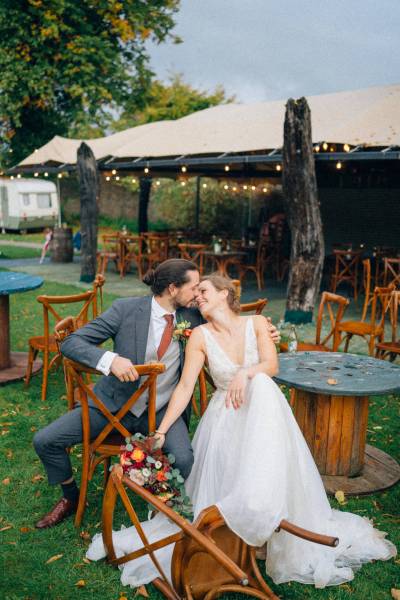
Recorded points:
48,237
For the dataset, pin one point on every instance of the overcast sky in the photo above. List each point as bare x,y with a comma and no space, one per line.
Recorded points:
272,49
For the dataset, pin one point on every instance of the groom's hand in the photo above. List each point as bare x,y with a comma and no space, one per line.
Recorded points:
273,332
123,369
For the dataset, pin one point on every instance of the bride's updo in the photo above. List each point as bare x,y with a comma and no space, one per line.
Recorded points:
223,283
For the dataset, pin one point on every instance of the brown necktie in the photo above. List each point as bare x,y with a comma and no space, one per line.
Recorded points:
166,336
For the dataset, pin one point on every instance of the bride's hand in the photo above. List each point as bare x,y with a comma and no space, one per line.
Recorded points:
236,390
273,332
159,439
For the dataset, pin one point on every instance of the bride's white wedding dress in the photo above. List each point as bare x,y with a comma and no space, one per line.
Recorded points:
255,465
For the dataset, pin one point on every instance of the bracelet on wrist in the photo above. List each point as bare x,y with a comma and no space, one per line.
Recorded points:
160,432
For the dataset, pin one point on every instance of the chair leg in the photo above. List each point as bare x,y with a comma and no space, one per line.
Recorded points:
83,489
195,407
45,374
106,467
371,345
347,342
31,358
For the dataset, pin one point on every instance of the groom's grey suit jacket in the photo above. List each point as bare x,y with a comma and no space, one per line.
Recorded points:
127,324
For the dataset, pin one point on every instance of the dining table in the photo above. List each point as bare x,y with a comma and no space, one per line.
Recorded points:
13,364
222,259
331,404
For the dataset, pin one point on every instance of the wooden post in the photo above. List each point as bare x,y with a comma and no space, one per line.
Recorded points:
198,199
144,198
302,209
89,187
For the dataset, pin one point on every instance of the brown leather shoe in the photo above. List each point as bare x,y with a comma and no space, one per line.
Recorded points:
63,509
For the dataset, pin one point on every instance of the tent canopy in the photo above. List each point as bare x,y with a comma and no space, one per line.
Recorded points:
366,118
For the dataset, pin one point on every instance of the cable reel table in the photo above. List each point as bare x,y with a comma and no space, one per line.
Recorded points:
331,398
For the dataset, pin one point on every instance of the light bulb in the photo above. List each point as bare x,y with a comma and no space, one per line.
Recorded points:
234,188
204,185
245,187
339,165
253,187
325,146
133,180
36,174
117,178
19,176
46,174
346,148
227,167
317,148
332,149
12,177
158,182
265,190
146,169
108,178
226,187
59,175
183,169
114,172
278,168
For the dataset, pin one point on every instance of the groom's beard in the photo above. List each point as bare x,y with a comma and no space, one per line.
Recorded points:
191,304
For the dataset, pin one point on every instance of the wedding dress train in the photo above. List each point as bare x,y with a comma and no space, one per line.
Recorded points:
255,465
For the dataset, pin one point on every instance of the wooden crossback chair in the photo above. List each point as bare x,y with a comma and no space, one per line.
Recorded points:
46,343
156,247
346,269
255,307
257,268
131,252
391,348
372,331
208,559
331,310
391,271
109,252
194,253
108,442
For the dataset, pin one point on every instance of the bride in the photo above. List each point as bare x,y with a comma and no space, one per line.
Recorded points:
250,458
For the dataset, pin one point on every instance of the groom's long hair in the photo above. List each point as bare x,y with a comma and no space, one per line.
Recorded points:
173,270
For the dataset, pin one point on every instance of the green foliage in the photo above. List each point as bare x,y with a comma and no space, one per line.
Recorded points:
18,252
169,101
65,63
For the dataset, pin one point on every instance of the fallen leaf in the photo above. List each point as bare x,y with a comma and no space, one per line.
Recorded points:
9,454
122,598
395,593
141,591
37,478
377,427
85,535
80,583
6,481
86,560
33,428
54,558
37,493
339,495
25,529
331,381
6,527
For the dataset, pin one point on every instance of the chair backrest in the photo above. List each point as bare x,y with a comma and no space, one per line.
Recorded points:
391,271
367,286
98,285
346,263
238,287
331,310
194,253
110,242
380,305
255,307
76,373
157,246
51,302
394,305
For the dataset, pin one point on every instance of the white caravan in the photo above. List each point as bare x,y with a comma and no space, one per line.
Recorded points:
28,204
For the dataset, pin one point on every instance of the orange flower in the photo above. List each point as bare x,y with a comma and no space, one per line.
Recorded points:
161,476
137,455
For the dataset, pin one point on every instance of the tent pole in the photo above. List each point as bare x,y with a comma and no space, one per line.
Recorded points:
59,201
198,199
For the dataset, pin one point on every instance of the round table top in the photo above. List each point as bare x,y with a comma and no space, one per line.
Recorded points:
224,253
338,373
12,282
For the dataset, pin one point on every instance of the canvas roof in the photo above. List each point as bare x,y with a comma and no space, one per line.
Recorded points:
369,117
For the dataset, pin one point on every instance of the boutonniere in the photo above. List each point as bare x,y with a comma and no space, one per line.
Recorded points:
182,332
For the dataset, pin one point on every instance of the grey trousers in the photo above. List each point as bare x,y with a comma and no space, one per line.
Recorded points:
51,442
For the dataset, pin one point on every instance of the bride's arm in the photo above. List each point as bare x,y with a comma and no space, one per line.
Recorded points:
194,360
268,364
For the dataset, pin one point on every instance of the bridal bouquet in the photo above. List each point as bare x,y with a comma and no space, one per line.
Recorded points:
145,464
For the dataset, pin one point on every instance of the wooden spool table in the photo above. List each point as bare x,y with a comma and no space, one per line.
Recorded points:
13,364
331,408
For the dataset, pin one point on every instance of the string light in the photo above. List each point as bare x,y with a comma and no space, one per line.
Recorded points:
204,185
108,178
117,178
36,174
46,174
346,148
265,190
253,187
339,165
227,168
114,172
184,169
146,169
19,176
133,180
234,188
12,177
317,148
325,146
278,168
158,182
183,183
245,187
59,175
332,149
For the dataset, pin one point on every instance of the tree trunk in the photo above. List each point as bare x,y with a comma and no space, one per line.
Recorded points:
302,208
144,198
89,188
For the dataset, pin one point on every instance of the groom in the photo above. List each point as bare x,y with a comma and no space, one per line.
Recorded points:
142,331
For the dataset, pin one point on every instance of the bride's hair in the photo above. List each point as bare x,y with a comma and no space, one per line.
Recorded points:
223,283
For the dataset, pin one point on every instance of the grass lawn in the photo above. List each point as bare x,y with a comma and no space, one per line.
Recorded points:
18,252
25,496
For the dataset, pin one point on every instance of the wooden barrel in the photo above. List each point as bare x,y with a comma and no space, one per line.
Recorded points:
61,247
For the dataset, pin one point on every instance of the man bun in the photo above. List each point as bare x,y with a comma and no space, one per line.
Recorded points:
171,271
149,277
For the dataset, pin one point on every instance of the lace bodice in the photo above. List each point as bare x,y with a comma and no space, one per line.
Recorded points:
222,369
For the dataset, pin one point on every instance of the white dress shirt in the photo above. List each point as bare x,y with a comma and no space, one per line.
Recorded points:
157,322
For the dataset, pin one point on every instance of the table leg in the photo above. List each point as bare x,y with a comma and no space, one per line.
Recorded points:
5,360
